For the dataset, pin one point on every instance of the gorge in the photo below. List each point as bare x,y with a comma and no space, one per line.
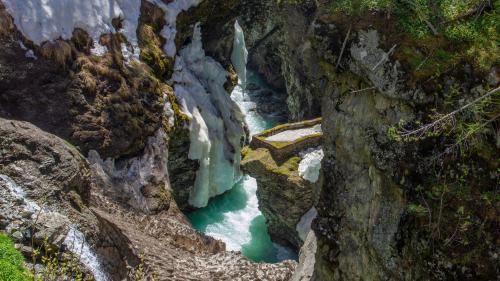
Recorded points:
249,140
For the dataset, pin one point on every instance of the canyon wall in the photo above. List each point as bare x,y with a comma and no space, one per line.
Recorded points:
398,202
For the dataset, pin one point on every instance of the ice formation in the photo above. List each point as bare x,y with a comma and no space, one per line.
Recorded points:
217,122
172,10
310,165
239,55
74,240
49,20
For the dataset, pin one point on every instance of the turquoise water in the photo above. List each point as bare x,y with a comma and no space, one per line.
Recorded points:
234,217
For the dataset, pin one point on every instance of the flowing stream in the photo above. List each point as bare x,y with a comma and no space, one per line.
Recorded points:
234,217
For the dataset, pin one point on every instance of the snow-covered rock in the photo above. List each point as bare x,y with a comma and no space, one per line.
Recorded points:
49,20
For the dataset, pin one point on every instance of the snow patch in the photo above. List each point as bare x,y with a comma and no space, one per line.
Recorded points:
75,242
29,53
128,177
304,225
172,10
310,165
293,135
49,20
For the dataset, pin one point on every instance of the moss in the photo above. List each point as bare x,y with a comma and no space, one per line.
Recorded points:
289,168
11,261
283,144
152,54
180,118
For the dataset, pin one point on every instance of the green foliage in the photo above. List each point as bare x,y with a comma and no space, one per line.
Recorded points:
416,209
357,7
11,261
458,25
57,265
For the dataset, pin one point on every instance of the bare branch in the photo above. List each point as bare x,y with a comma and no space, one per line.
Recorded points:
385,57
343,47
362,90
422,130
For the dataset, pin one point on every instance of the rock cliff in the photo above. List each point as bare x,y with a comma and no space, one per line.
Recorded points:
391,182
284,197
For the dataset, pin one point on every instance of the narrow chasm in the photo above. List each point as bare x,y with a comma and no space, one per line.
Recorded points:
234,217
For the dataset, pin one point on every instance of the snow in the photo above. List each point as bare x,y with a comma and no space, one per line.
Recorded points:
172,10
239,56
310,165
304,225
76,243
292,135
48,20
74,240
216,130
29,53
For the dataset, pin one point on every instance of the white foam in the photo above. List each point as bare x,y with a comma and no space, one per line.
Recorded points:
234,230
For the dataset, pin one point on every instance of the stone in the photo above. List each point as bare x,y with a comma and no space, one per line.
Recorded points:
284,197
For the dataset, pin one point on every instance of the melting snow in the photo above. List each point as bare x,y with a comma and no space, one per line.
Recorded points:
293,135
49,20
172,10
310,165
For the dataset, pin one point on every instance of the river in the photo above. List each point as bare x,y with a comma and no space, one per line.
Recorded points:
234,217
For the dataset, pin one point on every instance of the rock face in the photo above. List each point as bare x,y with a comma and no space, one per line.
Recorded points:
96,103
51,171
377,219
123,232
384,198
284,197
45,190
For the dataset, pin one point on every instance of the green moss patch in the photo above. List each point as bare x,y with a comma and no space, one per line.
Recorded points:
288,168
